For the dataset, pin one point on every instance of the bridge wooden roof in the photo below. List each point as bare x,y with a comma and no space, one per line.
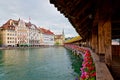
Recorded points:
84,14
75,39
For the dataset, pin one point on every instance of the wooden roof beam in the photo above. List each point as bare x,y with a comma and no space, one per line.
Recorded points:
84,31
52,1
82,35
80,11
82,27
79,22
75,4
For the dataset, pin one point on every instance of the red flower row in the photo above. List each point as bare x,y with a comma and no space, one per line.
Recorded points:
88,66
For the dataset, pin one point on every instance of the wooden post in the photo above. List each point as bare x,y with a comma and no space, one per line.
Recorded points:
108,51
90,41
95,39
101,41
104,39
95,32
104,30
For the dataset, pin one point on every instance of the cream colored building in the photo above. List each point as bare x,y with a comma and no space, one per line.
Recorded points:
8,34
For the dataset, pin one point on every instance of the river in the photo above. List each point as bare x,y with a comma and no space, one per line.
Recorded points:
51,63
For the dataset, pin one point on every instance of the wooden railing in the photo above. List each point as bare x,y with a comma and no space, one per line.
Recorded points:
102,71
116,50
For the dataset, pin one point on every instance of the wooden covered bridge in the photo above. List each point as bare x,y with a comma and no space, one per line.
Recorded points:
97,22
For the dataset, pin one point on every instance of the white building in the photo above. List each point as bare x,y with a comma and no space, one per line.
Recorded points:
47,37
34,35
22,33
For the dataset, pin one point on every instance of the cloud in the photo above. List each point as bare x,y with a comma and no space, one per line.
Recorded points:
41,12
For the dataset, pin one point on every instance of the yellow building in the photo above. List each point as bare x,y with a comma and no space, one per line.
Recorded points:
59,39
8,34
1,39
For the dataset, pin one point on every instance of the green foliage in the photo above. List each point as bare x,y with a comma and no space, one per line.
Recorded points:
76,62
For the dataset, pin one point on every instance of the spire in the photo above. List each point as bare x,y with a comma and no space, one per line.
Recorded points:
19,19
29,18
63,32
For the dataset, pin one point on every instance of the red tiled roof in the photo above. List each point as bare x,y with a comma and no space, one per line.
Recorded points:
7,25
29,24
45,31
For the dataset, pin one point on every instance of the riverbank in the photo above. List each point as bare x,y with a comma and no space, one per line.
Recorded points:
42,46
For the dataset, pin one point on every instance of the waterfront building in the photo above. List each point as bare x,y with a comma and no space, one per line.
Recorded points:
22,33
34,35
8,36
59,39
19,33
1,39
47,37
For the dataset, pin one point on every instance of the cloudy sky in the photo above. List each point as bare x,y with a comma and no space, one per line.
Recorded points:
41,13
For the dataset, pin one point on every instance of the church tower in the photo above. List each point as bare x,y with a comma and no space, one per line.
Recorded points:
63,35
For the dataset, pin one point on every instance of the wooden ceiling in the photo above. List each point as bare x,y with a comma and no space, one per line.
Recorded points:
82,14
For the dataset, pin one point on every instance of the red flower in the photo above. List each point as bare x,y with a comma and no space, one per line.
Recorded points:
93,74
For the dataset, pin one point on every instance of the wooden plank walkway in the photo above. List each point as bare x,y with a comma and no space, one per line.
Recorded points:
102,72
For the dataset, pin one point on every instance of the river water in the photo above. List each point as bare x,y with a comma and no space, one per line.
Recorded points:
51,63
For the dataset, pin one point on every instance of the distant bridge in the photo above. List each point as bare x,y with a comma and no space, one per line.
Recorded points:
74,40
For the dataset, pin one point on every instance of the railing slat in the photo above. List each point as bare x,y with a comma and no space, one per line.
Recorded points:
102,72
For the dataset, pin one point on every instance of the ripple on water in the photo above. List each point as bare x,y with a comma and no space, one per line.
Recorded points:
37,64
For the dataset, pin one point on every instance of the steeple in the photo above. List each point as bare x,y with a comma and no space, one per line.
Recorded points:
19,19
63,35
63,32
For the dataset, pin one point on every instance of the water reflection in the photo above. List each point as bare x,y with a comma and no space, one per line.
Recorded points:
15,57
36,64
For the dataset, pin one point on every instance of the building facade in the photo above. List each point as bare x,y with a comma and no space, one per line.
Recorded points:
59,39
19,33
8,34
22,33
34,35
47,37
